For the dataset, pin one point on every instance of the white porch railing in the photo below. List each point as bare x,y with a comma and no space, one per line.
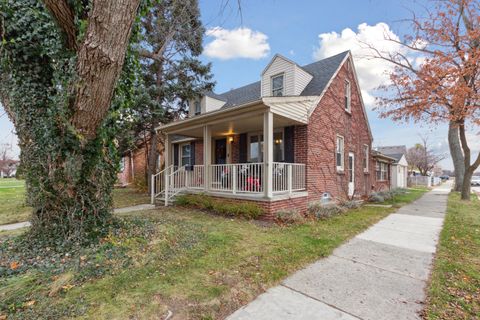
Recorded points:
241,178
237,178
288,177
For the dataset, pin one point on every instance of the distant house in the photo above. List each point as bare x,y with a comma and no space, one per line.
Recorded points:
399,168
280,142
383,171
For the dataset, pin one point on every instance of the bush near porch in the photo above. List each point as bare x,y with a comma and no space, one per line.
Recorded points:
197,266
222,207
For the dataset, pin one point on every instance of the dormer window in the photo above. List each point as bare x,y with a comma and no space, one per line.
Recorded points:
198,107
277,85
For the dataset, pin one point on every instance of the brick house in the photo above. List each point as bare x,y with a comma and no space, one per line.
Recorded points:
282,142
383,164
133,163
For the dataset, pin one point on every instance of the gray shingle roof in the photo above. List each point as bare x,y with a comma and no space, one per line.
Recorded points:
322,71
393,149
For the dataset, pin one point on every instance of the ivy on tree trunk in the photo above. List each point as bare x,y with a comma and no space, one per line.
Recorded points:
60,64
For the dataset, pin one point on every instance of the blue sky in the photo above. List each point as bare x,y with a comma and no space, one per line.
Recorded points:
239,49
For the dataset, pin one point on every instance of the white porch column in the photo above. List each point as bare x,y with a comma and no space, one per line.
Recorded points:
207,155
167,152
268,154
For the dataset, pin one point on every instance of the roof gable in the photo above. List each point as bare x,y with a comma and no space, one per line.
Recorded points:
322,71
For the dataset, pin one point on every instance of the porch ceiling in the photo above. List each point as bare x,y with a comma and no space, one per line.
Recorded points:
286,111
228,127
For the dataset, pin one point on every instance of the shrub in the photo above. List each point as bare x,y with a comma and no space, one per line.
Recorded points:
350,204
226,208
398,191
324,210
376,197
289,216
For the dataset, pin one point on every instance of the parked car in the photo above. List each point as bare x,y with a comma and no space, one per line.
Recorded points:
475,181
445,177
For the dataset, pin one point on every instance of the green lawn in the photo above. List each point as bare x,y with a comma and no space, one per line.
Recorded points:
196,265
454,289
12,200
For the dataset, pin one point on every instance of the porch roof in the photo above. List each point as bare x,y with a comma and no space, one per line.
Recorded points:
247,117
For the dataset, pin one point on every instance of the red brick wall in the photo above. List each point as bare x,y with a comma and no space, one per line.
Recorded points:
139,166
300,144
328,120
199,152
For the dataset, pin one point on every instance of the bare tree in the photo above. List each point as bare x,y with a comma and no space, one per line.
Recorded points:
422,157
7,162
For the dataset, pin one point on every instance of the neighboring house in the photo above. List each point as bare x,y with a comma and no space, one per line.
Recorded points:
399,168
133,164
281,142
383,165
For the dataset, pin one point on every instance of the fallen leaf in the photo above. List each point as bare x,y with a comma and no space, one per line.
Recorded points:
14,265
29,303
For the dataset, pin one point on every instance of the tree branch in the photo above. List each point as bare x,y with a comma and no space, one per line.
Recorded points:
65,18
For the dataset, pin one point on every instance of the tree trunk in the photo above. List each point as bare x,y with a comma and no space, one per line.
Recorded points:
70,177
457,155
466,188
100,61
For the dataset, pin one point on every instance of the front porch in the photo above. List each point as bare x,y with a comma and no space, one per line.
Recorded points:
247,155
241,181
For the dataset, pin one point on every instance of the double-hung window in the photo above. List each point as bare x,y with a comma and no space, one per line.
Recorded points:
185,154
198,107
381,169
277,85
340,153
255,147
348,99
366,151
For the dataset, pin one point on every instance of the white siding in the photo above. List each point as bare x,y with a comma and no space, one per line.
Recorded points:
295,79
212,104
302,78
207,104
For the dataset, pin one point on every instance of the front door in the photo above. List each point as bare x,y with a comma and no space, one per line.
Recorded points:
221,151
351,174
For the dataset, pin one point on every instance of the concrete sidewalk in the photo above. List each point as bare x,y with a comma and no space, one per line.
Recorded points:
140,207
379,274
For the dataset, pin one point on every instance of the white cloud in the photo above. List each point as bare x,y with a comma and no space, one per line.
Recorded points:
236,43
371,72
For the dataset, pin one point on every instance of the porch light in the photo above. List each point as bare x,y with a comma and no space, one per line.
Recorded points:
230,139
278,141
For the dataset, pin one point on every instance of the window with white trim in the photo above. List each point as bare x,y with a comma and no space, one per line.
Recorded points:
381,169
366,152
340,153
198,107
347,96
277,85
255,146
185,154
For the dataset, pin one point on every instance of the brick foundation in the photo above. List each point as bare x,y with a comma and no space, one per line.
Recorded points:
272,207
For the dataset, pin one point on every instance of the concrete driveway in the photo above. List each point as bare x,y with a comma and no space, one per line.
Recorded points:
379,274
